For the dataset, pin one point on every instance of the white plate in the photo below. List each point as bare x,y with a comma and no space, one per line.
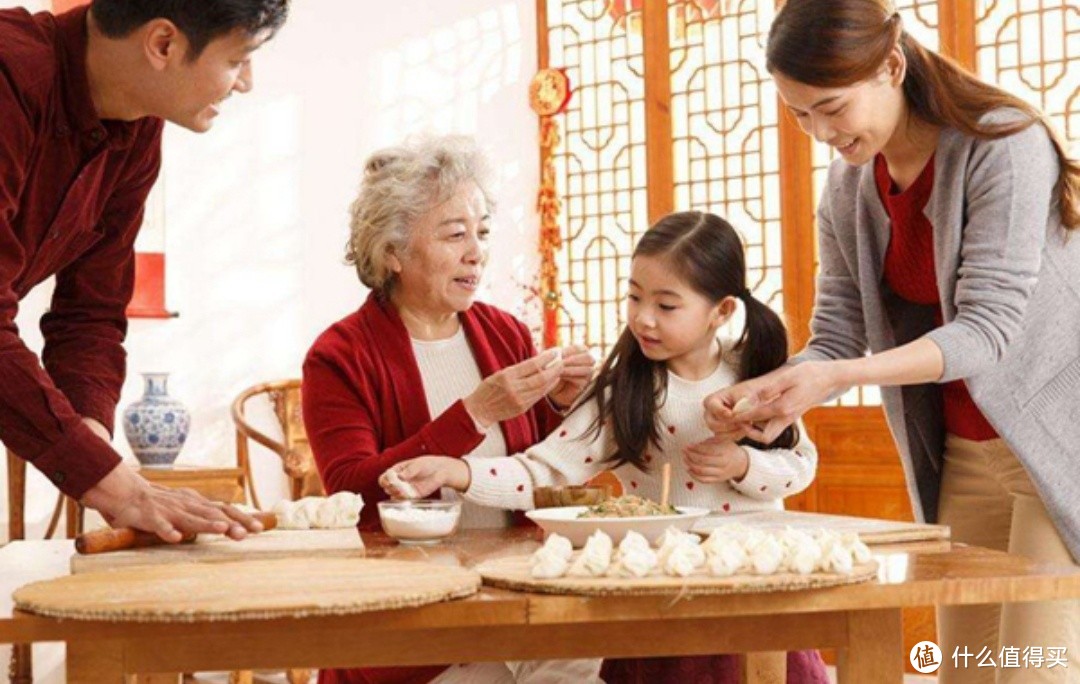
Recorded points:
565,521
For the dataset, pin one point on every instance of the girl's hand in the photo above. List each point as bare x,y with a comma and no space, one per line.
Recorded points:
426,475
513,390
716,460
775,400
577,371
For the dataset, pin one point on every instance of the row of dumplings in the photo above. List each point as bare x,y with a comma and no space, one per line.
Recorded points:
729,550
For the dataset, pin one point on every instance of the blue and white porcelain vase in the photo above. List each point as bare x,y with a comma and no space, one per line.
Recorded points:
157,425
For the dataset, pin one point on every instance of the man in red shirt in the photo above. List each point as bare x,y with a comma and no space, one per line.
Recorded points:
83,99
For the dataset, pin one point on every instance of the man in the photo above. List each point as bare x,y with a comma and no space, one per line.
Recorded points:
83,99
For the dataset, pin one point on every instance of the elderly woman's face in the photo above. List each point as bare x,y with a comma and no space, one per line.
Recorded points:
441,269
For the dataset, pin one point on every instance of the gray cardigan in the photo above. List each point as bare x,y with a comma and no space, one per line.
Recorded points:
1009,277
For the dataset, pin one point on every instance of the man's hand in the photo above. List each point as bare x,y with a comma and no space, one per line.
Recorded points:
125,499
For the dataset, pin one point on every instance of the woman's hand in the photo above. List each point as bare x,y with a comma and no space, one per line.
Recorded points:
577,371
513,390
716,460
767,405
426,475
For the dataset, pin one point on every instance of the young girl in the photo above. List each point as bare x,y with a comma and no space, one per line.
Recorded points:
645,409
948,249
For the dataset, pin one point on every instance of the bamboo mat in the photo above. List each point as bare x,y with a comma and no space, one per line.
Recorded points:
513,573
243,590
210,548
870,530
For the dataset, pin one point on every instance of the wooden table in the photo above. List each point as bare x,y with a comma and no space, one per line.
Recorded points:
216,484
861,621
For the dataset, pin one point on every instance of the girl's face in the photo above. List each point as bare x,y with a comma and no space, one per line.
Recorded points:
671,321
859,120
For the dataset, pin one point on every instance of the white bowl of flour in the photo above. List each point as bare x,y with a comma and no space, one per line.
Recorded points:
420,522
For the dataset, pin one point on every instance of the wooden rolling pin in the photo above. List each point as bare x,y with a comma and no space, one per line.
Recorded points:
123,538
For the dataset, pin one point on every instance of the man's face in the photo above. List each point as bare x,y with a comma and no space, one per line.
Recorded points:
198,87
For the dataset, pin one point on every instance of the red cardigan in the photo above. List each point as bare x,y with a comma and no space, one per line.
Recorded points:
365,410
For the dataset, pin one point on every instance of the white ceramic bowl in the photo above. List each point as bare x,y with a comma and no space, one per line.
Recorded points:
565,521
421,521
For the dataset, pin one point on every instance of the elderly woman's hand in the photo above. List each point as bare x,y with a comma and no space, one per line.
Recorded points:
513,390
577,371
421,477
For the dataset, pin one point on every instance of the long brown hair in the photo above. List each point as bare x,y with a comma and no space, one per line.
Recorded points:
706,252
836,43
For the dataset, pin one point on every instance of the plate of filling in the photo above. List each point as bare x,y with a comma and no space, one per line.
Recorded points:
615,517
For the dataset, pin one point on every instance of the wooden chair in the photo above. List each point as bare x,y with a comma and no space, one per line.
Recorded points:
292,448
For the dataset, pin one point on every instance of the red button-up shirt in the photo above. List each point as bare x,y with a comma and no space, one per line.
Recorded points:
72,190
909,271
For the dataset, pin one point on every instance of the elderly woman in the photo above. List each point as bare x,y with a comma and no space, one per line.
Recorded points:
422,368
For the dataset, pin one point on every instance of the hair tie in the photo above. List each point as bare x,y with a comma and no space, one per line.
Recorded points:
745,294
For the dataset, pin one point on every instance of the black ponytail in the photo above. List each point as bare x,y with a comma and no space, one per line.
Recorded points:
763,347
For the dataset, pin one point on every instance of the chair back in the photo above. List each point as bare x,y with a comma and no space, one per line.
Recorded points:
293,447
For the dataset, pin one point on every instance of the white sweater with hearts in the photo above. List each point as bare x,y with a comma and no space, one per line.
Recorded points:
570,456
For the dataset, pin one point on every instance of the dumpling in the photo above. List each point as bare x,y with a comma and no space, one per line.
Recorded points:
635,561
347,507
726,557
595,557
406,488
547,563
860,552
673,539
766,556
672,535
683,559
633,540
559,545
837,559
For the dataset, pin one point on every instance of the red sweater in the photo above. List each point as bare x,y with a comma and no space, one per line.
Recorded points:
365,410
72,189
909,271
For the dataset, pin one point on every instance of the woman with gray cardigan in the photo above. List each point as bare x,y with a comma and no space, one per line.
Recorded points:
945,252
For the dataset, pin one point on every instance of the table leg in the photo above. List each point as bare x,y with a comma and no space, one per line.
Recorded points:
21,667
875,648
764,667
95,662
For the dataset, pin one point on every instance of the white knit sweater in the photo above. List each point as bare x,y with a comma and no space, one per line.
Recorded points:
450,372
567,458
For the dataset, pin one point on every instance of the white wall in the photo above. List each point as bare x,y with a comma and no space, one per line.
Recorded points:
256,208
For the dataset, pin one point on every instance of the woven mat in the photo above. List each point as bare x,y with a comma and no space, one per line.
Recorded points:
260,589
513,573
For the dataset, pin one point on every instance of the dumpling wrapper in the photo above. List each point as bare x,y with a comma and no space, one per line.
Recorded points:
634,540
595,557
406,488
546,563
766,557
559,545
635,561
684,559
